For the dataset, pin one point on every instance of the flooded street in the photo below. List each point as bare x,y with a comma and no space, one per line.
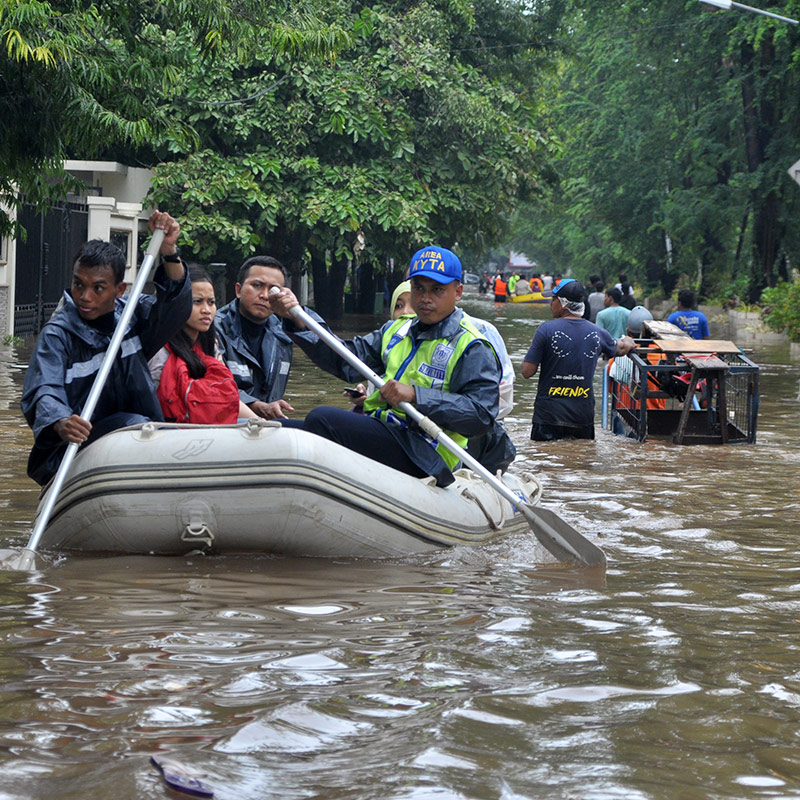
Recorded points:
463,674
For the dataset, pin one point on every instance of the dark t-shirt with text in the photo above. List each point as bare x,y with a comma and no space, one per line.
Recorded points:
566,351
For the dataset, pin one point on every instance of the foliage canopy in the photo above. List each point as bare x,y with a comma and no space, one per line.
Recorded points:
400,140
81,79
677,126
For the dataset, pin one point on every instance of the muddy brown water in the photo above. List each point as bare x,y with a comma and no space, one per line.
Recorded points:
463,674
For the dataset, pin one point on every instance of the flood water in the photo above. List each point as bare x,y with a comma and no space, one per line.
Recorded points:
463,674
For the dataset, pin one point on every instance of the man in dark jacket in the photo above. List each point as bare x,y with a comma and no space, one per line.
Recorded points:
71,349
438,360
255,346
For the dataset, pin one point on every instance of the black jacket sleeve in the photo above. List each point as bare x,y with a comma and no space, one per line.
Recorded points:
160,317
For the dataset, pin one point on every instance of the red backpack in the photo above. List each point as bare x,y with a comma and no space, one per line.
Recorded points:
210,400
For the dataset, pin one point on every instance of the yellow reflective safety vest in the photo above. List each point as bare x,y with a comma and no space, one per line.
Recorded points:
428,363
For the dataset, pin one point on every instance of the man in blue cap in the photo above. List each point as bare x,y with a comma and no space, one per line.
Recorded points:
567,348
437,360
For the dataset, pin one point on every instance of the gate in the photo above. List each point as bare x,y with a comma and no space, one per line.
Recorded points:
44,262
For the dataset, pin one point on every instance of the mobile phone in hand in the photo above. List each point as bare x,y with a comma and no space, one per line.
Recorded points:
352,392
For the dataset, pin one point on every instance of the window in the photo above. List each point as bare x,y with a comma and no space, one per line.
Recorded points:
122,240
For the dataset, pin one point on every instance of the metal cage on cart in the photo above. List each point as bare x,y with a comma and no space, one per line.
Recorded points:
694,392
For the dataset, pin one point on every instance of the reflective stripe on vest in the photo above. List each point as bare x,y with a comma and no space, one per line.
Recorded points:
428,363
83,369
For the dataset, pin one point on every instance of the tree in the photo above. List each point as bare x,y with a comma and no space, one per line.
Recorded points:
397,142
78,79
676,134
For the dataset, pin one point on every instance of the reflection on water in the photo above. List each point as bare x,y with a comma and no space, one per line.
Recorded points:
463,674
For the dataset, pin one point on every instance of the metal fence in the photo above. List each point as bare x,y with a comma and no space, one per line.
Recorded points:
44,262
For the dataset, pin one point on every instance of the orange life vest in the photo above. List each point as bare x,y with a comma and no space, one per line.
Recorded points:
626,400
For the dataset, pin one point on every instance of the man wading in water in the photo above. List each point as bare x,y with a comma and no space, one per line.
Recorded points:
567,348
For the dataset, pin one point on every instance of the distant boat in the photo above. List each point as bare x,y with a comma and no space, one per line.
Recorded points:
532,297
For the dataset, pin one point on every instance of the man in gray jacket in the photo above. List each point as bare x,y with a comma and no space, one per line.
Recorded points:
254,344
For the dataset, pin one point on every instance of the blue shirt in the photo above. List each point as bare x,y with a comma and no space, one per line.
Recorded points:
566,351
693,322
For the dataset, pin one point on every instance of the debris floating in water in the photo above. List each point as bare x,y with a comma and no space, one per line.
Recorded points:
179,778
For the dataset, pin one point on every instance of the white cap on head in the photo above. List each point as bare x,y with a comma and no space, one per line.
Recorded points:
638,315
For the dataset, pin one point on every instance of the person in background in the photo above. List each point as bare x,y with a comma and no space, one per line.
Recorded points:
69,351
621,371
401,300
624,285
687,319
596,300
636,319
437,360
512,283
536,283
194,385
627,300
547,282
400,306
587,311
567,348
523,287
500,289
613,317
254,344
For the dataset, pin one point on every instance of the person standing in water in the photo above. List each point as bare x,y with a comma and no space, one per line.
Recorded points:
567,348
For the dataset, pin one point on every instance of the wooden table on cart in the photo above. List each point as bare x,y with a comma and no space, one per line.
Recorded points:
694,391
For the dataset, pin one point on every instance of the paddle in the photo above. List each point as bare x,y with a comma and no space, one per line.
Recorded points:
558,537
26,558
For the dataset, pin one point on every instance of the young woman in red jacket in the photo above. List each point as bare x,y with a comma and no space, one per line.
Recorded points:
194,385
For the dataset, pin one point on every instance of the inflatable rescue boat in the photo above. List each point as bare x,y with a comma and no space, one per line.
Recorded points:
531,297
257,487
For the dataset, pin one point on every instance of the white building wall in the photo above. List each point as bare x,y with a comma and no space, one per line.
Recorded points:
8,257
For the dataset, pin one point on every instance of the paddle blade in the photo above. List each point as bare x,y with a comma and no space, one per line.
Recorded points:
560,539
18,560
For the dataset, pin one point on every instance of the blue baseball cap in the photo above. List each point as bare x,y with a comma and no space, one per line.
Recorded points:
569,289
436,263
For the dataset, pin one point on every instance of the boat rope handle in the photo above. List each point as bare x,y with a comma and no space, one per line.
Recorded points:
465,492
532,500
537,492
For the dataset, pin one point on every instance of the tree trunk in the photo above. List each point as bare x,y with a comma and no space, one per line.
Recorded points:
328,287
759,123
288,246
338,277
365,300
319,274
